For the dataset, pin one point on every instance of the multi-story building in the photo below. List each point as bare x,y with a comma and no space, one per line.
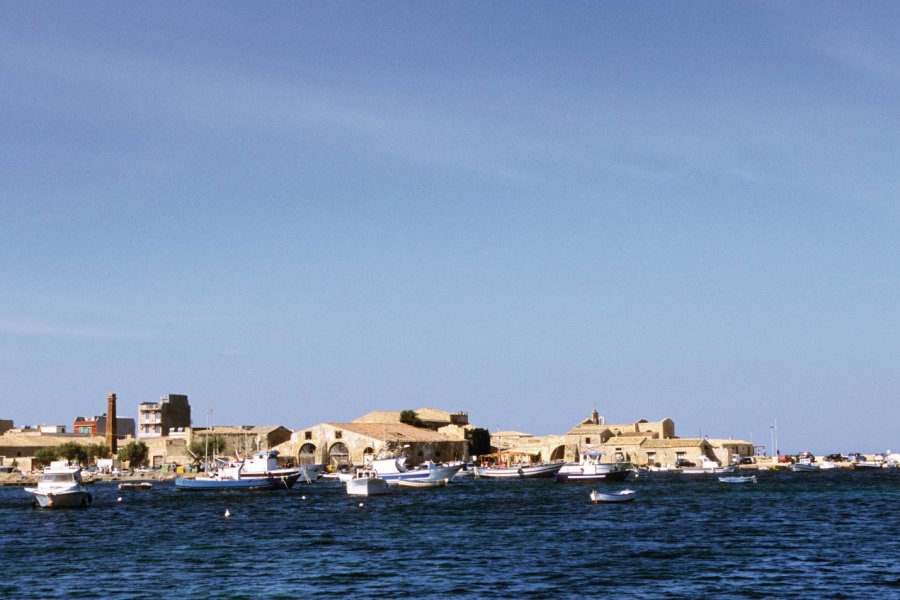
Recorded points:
155,419
125,427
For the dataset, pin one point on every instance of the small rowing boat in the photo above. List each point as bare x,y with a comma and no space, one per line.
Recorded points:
612,497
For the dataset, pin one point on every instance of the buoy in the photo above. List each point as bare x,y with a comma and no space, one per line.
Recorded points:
119,499
303,497
361,504
227,513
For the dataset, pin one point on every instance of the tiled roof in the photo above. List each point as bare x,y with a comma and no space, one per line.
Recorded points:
673,443
393,432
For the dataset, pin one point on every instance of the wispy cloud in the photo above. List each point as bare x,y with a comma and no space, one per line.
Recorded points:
48,329
371,118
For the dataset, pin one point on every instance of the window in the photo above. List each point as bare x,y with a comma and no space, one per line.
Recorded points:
587,440
338,435
307,435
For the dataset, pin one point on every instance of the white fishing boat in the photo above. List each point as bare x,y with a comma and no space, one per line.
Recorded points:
423,483
366,482
739,479
805,466
393,470
591,470
515,465
258,472
60,486
617,497
707,465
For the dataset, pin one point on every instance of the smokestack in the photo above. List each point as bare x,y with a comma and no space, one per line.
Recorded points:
111,423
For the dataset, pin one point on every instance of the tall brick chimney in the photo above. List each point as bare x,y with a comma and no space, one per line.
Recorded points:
111,424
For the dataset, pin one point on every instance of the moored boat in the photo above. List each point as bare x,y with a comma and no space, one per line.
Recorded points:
708,466
366,482
591,470
805,466
510,464
60,486
393,470
618,497
423,483
739,479
259,472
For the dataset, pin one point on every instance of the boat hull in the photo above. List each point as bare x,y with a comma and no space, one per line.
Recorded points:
738,479
591,473
391,474
368,486
613,498
530,472
73,499
414,483
281,482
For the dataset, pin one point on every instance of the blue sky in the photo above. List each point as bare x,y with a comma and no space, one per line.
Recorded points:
300,212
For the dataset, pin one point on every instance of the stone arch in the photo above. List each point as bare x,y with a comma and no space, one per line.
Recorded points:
339,454
307,455
558,453
368,455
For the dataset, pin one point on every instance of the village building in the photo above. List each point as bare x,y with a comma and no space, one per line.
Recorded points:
642,442
444,437
172,412
19,446
125,427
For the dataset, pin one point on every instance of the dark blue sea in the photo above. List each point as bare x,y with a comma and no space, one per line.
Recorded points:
792,535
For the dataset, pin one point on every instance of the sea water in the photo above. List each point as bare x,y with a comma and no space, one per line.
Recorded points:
832,534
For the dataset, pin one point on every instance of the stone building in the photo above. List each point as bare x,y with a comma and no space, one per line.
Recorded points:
20,446
356,443
641,442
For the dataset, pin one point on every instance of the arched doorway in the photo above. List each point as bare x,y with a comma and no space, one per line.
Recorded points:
368,455
559,453
339,454
307,455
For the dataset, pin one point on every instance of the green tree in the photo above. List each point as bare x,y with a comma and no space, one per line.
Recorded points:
95,451
45,456
135,453
73,452
411,418
207,445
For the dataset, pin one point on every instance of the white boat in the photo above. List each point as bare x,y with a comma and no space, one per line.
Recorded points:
393,470
805,465
545,470
259,472
366,482
708,465
423,483
739,479
612,497
515,465
591,470
60,486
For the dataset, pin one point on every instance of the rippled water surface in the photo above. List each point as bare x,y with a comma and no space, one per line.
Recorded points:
792,535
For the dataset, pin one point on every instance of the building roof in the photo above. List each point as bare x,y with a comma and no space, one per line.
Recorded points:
728,442
393,432
235,429
673,443
511,434
393,416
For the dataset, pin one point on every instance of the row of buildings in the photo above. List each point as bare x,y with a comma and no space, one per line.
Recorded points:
436,435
